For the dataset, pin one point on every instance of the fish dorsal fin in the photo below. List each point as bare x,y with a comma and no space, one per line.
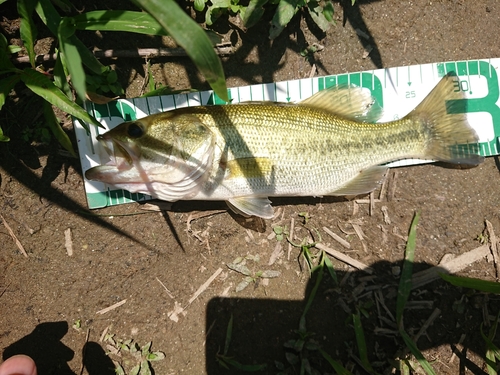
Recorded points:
349,102
250,206
365,182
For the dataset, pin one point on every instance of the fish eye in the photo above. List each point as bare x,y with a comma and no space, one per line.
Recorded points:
135,130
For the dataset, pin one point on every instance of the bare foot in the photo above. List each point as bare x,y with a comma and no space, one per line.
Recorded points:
18,365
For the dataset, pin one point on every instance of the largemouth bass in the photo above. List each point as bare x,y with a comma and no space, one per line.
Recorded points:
244,153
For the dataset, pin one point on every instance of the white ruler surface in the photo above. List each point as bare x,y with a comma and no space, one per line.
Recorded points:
397,90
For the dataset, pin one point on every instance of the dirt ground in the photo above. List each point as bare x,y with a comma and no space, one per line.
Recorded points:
125,254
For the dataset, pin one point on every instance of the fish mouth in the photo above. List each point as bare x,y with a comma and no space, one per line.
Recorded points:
122,157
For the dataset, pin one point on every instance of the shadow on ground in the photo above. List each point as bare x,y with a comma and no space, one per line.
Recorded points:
266,331
51,355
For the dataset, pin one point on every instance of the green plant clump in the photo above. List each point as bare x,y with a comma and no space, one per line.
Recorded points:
320,12
90,78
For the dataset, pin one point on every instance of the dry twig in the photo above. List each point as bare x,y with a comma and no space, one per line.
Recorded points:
18,243
337,238
344,258
112,307
493,247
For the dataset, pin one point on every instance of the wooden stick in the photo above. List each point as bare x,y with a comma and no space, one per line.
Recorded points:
337,238
493,247
18,243
456,264
112,307
140,52
344,258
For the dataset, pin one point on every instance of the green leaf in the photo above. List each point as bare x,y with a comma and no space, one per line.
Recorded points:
316,13
2,1
330,268
190,36
155,356
119,20
5,63
27,28
3,138
49,15
13,49
313,293
145,368
6,86
247,368
135,370
60,74
64,5
360,340
328,11
145,349
41,85
254,12
56,128
406,273
414,350
71,56
284,13
52,19
469,282
492,351
199,5
337,366
229,333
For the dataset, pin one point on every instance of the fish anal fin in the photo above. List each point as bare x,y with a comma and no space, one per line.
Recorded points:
349,102
365,182
250,206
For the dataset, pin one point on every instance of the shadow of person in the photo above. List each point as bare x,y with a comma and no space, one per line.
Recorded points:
96,361
44,346
270,331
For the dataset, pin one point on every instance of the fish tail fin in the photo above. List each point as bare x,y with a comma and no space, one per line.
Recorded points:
441,116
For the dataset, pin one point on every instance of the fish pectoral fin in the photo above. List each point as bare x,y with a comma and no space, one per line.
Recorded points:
347,101
365,182
250,206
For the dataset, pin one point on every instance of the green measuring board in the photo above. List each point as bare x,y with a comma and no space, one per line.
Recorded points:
397,90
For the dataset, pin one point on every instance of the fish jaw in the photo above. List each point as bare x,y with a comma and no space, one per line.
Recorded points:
167,177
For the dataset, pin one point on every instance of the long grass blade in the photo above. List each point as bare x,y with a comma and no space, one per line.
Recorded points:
119,20
56,128
314,290
406,273
72,57
472,283
361,342
27,28
190,36
41,85
337,366
52,19
417,353
229,334
492,351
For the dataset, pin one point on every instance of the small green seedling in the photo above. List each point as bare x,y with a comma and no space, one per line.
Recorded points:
77,325
281,232
305,250
141,356
239,265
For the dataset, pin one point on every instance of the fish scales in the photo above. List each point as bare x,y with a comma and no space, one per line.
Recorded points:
329,144
327,150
